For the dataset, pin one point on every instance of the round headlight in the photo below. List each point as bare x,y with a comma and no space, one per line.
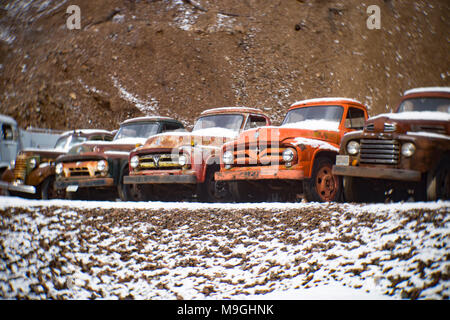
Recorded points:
59,168
182,160
408,149
134,162
353,148
288,155
32,163
102,166
228,157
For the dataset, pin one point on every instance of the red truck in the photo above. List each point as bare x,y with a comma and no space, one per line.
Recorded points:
182,165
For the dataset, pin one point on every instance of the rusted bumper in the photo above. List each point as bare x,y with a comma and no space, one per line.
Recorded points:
262,173
161,178
85,183
378,173
17,187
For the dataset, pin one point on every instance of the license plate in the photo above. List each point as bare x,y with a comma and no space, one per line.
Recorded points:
342,160
72,188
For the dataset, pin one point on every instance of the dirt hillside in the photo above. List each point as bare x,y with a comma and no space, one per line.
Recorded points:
179,57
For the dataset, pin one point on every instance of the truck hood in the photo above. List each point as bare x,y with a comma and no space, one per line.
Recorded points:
43,153
213,137
290,134
410,122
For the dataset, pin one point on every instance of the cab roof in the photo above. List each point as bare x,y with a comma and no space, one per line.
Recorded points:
324,101
232,110
427,90
149,118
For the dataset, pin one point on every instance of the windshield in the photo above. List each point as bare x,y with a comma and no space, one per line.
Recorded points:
328,113
137,130
68,141
227,121
425,104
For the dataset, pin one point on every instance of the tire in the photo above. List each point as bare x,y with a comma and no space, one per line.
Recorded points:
323,185
129,192
211,190
438,182
48,190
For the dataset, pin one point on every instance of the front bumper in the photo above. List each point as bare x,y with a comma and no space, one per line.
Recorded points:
378,173
18,187
161,178
84,183
262,173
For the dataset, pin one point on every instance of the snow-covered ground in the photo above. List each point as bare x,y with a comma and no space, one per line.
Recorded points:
155,250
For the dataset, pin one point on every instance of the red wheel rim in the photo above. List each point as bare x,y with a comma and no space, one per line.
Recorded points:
327,184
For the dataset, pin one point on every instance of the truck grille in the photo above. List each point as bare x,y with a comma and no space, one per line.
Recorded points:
79,172
380,151
158,161
20,168
258,155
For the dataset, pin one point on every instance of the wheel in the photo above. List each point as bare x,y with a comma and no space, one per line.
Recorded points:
48,191
438,182
212,190
129,192
323,185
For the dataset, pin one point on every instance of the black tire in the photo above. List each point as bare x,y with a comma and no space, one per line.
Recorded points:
129,192
438,182
211,190
323,186
47,189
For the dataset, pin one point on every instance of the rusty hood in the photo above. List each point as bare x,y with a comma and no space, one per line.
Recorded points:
404,122
212,137
312,130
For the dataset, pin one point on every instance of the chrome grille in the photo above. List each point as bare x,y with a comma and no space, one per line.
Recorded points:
370,127
380,151
158,161
389,127
20,168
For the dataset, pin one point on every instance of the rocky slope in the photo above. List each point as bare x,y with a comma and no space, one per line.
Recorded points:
178,57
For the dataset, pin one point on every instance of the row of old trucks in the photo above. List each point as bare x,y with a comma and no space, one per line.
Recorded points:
326,149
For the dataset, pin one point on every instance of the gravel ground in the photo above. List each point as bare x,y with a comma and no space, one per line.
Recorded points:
68,250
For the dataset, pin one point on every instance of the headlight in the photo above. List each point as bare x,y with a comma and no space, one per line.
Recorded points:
228,157
59,168
32,163
13,164
182,160
408,149
102,166
353,148
134,162
288,155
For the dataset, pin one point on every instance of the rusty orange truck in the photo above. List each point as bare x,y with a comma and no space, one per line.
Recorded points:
182,165
281,163
400,155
